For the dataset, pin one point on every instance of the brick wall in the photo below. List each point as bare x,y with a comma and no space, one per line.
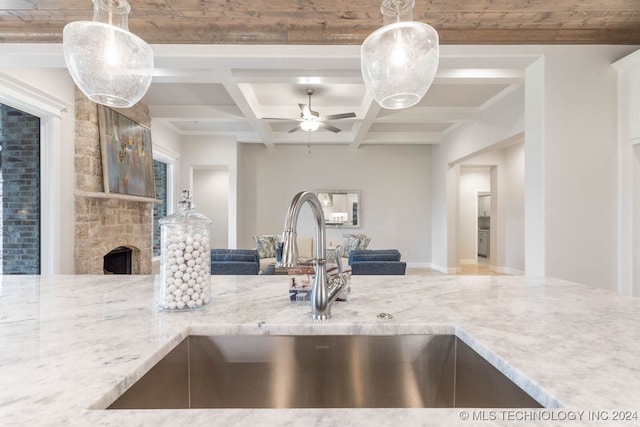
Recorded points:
103,224
20,191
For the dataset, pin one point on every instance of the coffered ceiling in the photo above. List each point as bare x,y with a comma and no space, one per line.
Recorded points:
222,67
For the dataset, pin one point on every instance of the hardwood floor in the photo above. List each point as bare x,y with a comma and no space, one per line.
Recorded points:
477,270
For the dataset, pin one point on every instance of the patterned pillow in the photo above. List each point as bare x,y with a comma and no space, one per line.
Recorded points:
266,245
354,241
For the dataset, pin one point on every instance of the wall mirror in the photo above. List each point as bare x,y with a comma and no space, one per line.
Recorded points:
341,208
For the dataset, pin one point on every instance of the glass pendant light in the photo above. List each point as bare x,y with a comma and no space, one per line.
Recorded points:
110,65
399,60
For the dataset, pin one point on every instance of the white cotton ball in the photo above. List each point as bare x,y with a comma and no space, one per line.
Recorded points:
195,253
191,304
190,291
170,298
196,244
204,241
198,260
184,287
180,305
197,288
182,245
191,263
205,299
188,256
178,282
189,240
204,272
197,237
189,270
186,298
172,305
199,280
172,246
199,302
196,267
189,248
173,268
180,260
177,274
172,288
182,267
177,293
170,281
171,254
191,283
195,296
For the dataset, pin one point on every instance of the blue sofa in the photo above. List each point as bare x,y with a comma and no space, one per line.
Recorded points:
376,262
234,262
359,255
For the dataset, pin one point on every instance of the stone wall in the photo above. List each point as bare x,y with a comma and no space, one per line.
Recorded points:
105,223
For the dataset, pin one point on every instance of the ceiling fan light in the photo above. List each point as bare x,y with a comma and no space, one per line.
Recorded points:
309,125
399,60
110,65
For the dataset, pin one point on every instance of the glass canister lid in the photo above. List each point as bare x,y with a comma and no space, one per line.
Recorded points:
186,213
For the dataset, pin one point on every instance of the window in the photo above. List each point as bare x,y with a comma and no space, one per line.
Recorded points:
19,191
160,171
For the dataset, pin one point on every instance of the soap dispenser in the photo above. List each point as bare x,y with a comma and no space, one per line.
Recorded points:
185,261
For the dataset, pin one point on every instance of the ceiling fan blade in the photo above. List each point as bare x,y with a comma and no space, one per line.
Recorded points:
339,116
282,119
295,129
328,127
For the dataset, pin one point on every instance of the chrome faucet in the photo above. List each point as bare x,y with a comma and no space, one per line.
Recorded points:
324,291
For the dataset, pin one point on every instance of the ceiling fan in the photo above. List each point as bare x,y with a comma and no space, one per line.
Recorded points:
311,121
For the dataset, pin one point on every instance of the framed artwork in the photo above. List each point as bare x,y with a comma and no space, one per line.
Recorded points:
127,161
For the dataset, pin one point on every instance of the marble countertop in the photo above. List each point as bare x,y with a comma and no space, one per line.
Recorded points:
69,345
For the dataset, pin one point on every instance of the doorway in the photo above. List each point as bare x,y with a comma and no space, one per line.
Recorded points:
211,196
484,227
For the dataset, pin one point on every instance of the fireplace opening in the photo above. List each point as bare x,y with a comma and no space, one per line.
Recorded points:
118,261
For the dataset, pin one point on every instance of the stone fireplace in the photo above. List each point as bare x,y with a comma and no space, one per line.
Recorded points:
104,222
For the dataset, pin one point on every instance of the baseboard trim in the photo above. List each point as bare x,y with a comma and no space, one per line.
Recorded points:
442,269
468,261
506,270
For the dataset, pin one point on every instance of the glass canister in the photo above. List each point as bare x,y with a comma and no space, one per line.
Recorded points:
185,261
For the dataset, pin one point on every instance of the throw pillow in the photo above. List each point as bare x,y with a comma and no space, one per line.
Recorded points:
355,241
266,245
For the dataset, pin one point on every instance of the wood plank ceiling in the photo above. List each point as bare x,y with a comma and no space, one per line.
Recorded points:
336,21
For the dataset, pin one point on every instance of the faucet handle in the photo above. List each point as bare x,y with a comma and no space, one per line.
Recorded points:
338,258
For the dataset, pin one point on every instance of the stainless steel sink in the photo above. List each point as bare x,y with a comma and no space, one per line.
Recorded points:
348,371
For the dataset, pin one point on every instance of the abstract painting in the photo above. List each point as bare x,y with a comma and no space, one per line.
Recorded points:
127,161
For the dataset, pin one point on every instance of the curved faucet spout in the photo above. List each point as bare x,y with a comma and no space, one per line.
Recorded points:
322,293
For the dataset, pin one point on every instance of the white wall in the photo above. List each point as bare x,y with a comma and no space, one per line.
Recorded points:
580,163
394,181
514,260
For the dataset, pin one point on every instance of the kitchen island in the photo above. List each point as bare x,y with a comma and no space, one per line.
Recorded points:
70,345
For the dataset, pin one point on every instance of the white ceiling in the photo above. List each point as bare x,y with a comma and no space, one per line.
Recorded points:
227,91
